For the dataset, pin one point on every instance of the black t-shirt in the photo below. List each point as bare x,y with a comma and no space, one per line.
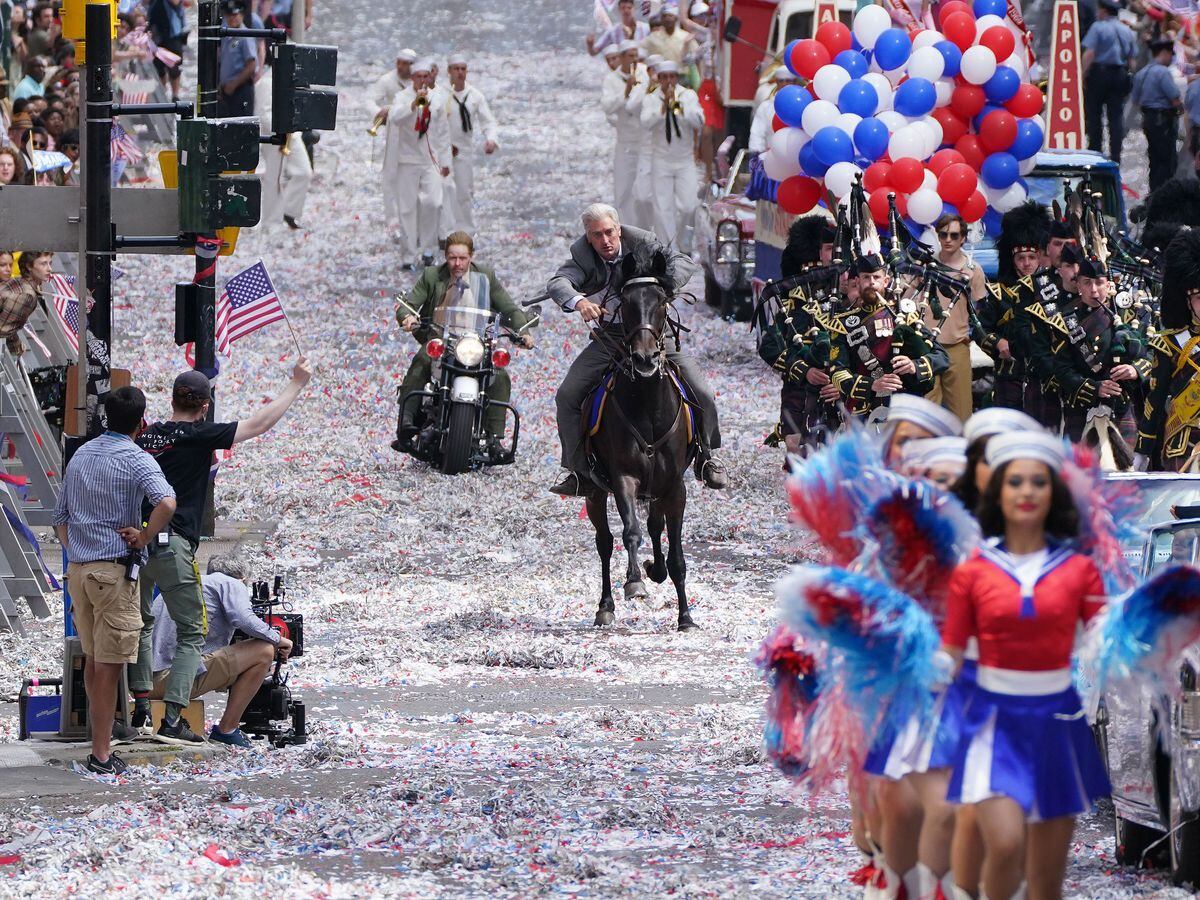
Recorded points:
184,450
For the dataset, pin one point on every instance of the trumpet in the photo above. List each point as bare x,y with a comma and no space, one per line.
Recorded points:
377,123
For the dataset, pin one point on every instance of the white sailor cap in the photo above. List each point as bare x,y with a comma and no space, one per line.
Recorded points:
938,421
783,73
698,9
1037,445
611,50
423,65
626,46
998,420
938,451
653,61
407,54
669,9
641,53
668,67
456,59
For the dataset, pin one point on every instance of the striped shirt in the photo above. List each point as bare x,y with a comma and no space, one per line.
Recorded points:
102,491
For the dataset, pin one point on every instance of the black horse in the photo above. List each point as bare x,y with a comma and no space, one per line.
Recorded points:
641,447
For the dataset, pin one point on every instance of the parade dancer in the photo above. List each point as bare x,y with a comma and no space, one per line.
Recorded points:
468,114
1027,759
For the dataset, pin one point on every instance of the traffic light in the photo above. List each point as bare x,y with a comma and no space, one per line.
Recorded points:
295,104
208,199
74,24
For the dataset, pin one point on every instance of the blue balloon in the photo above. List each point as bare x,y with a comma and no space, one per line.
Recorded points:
853,62
949,209
832,145
991,222
916,97
990,8
893,49
952,55
1002,86
787,56
790,103
871,138
1029,139
812,166
858,97
855,45
1000,170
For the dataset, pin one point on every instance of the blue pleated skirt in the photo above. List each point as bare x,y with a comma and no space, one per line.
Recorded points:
1037,750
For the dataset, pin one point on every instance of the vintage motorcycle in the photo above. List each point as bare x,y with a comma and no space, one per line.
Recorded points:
451,409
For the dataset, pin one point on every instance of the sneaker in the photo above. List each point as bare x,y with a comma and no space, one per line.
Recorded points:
114,765
179,733
123,734
235,738
141,721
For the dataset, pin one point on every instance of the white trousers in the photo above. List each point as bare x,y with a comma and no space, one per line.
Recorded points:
285,180
644,210
626,156
676,184
391,196
458,210
420,191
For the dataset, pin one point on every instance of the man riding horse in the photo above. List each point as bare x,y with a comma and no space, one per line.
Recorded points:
588,283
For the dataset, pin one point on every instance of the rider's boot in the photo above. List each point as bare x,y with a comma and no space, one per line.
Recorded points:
711,470
573,485
405,432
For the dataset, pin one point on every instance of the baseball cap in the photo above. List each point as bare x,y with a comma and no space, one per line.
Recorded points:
194,383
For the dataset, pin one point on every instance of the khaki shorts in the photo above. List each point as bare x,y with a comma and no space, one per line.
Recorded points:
106,611
220,672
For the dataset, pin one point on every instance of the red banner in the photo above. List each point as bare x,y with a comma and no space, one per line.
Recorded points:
1064,113
824,11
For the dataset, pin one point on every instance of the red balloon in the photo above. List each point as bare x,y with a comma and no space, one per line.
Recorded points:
967,101
954,6
1026,102
952,126
907,175
902,205
1000,41
777,123
835,37
998,131
877,175
957,183
808,56
798,194
878,202
940,161
959,29
972,151
973,208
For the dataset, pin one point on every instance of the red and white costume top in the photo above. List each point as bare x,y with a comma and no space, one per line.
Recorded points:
1025,620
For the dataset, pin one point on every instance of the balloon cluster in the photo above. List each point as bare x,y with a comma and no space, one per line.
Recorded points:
945,120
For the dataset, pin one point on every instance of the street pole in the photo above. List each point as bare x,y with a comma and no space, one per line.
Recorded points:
208,76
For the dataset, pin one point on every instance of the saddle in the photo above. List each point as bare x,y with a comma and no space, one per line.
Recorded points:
594,405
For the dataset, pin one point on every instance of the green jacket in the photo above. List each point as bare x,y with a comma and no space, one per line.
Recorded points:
427,293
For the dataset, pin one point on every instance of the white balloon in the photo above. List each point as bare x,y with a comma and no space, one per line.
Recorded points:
930,182
779,168
817,115
945,92
926,38
1027,165
883,88
895,76
927,62
983,23
1013,197
929,237
978,65
1016,62
924,207
934,127
786,144
892,119
840,178
1039,121
829,81
908,142
848,122
869,23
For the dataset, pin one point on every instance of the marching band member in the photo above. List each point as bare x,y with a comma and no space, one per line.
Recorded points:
468,114
615,92
383,93
1027,760
672,117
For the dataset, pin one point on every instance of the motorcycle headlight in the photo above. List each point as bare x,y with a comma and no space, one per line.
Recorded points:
727,252
469,350
727,231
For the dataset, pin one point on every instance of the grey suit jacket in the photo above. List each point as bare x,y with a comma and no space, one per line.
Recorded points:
585,272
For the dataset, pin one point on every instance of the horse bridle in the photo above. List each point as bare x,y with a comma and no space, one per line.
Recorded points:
628,336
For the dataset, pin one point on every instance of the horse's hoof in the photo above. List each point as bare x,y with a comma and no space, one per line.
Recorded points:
658,576
604,617
635,590
686,624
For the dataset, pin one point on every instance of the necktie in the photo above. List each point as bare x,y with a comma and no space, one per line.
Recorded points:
464,115
672,122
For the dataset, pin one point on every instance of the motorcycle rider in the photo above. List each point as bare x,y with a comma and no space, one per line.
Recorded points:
459,282
582,284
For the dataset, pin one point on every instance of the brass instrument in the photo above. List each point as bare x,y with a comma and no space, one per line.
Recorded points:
378,122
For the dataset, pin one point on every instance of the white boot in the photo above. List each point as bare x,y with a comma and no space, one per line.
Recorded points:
952,891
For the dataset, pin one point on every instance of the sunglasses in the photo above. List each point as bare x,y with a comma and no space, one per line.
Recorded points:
40,145
950,235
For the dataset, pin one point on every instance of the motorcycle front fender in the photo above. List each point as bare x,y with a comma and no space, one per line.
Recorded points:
465,389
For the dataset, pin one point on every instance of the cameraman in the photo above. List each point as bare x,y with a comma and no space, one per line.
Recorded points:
184,446
242,667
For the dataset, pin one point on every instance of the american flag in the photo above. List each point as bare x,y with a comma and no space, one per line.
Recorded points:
124,145
247,304
66,304
134,98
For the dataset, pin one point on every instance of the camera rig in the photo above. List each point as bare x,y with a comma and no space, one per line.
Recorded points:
274,714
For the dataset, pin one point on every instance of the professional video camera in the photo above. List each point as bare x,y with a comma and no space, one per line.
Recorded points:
274,714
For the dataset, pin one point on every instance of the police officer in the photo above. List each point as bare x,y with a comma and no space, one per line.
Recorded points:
1108,50
1155,91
